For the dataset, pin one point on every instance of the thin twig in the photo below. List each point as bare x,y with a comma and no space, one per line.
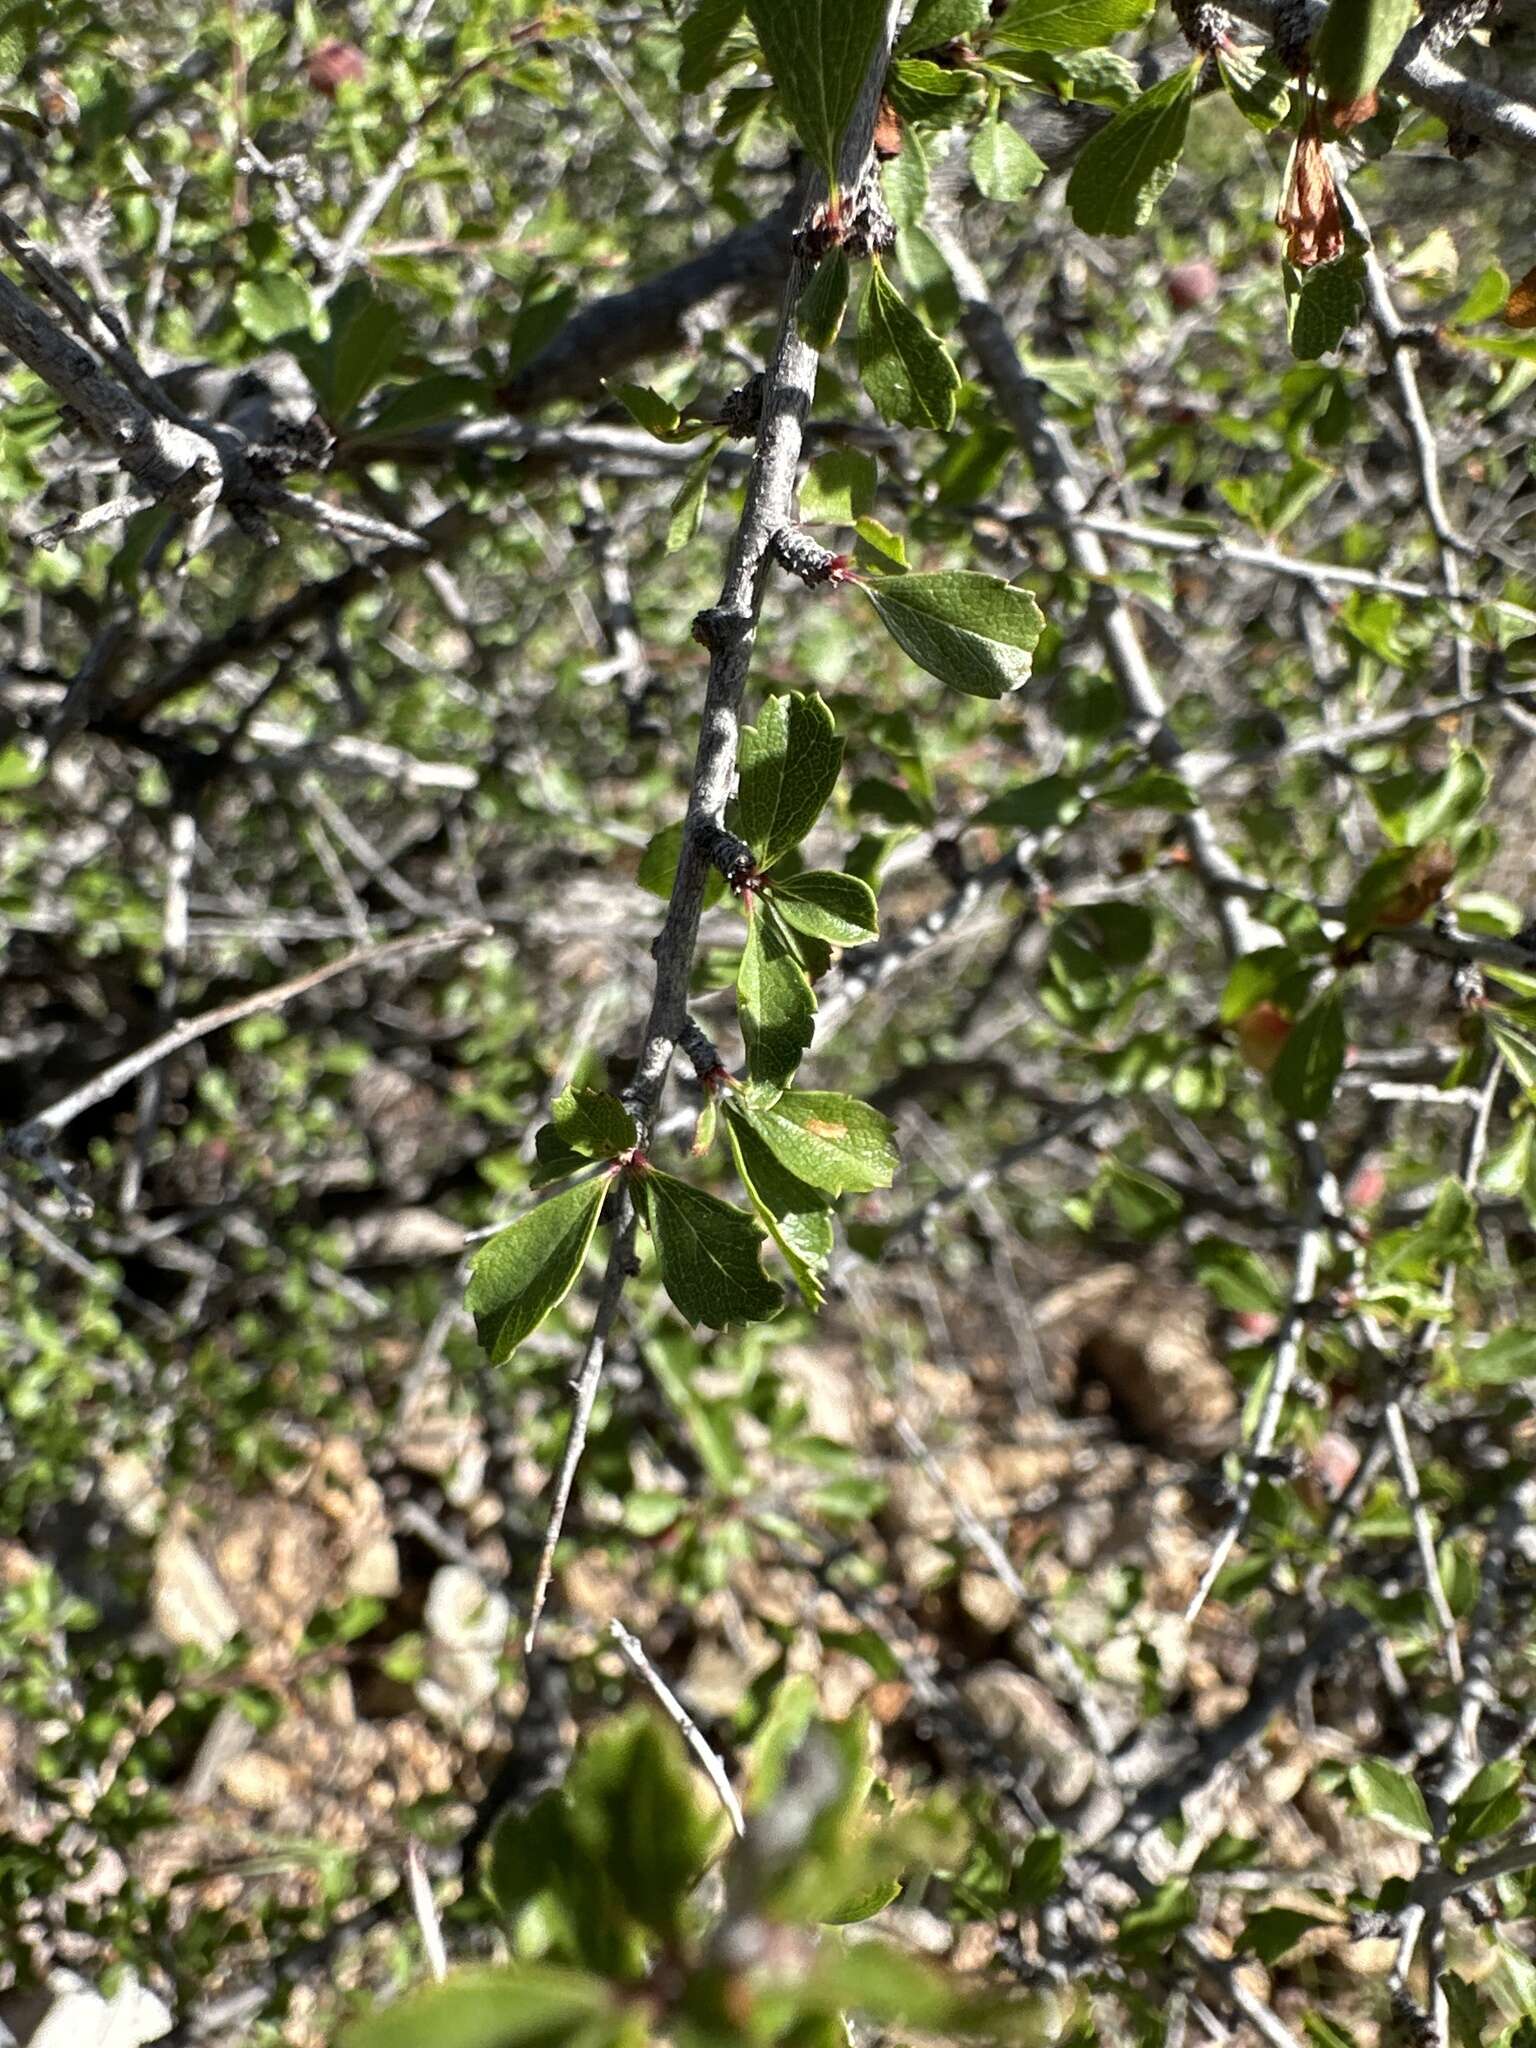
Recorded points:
633,1652
48,1123
729,631
1288,1351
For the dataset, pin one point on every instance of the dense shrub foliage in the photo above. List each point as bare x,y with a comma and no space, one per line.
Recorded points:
770,1023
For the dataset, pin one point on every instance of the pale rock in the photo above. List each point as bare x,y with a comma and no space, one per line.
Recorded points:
188,1603
84,2019
258,1782
130,1489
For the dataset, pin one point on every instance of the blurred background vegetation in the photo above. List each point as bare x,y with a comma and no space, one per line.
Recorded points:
268,1519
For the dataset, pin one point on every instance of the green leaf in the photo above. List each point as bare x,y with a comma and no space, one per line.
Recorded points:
1067,24
708,1253
659,416
593,1123
1490,1804
1354,46
1413,809
898,1991
521,2006
1039,1870
1388,1795
1325,2033
1002,162
880,552
556,1159
367,335
936,22
21,765
819,315
675,1358
543,311
1323,303
634,1811
973,632
1237,1276
776,1003
837,908
1127,165
426,403
688,505
1260,91
1152,1927
1154,789
839,487
1518,1048
273,303
529,1269
818,52
906,369
905,181
829,1141
1275,1931
703,36
14,44
1311,1059
1102,77
1035,806
789,767
920,90
1507,1359
1486,298
793,1213
658,865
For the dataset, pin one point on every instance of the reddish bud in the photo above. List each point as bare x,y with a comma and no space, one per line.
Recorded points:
331,65
1366,1189
1334,1463
1261,1035
1257,1323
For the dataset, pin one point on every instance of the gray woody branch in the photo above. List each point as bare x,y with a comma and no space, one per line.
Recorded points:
728,630
1462,103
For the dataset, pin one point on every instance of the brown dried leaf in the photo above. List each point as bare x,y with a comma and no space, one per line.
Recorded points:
1310,216
889,138
1520,307
1349,114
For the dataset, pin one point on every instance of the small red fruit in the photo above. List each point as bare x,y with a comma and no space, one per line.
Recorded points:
331,65
1366,1189
1192,284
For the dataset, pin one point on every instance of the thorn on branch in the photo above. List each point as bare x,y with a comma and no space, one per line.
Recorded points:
719,630
1468,989
741,410
1445,22
732,856
1417,2025
859,223
808,559
700,1049
1206,28
1293,35
291,446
